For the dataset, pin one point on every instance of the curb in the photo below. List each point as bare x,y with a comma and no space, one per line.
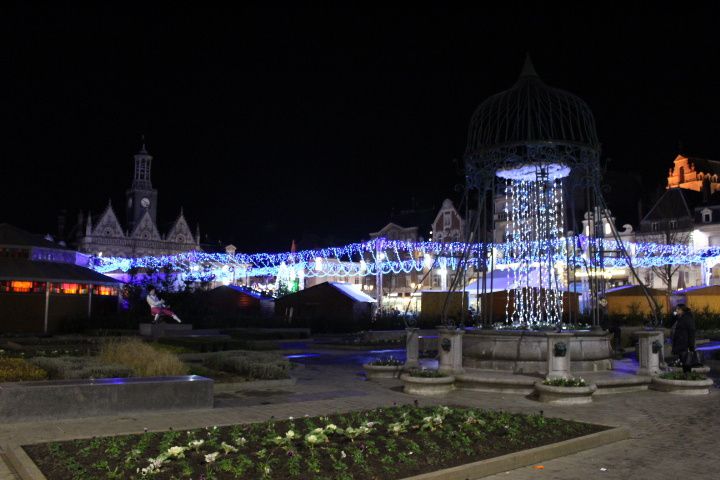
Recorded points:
524,458
21,464
253,385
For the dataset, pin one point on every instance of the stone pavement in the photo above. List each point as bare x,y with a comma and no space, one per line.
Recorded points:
672,437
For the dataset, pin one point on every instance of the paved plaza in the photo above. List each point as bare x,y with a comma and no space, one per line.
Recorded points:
671,436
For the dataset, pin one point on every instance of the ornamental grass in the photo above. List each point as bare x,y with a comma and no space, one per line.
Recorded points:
142,358
18,370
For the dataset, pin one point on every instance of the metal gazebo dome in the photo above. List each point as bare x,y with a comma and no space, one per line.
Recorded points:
529,123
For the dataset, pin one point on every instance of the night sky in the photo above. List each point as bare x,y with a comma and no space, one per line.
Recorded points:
269,125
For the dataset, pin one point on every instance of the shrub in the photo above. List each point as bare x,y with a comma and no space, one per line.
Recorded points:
142,358
255,365
18,370
66,368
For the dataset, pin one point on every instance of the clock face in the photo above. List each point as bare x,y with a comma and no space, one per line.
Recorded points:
145,202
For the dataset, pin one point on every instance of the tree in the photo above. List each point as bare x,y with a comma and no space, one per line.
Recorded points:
669,236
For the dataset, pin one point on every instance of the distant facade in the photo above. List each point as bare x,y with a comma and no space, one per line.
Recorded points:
692,173
104,235
448,225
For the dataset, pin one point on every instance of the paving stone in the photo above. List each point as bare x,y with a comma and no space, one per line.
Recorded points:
671,437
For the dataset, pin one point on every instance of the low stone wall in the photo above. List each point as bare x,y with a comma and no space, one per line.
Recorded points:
55,399
526,351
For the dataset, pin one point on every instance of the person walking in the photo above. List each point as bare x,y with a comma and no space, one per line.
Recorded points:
158,307
683,337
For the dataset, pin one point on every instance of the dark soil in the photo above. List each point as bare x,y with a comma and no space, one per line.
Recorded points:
456,440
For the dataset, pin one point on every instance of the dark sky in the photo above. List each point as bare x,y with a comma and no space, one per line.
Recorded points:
273,124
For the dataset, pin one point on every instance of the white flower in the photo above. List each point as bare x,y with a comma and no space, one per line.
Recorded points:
317,430
290,434
343,454
331,427
210,457
228,448
267,470
241,441
178,452
196,444
311,439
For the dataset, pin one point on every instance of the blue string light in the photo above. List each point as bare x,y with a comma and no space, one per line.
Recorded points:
359,259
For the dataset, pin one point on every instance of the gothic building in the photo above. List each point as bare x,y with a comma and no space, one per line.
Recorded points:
104,234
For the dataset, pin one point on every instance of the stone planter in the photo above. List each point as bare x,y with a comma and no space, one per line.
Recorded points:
427,385
375,372
682,387
565,395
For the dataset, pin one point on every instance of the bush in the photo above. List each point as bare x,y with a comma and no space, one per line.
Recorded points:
254,365
18,370
66,368
142,358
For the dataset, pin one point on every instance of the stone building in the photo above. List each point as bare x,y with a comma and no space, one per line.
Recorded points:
105,235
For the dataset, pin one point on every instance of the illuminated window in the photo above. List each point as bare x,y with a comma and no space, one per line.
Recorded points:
104,290
16,286
69,288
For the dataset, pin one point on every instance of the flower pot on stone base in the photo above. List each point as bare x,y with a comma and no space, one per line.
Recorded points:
681,387
565,395
376,372
427,386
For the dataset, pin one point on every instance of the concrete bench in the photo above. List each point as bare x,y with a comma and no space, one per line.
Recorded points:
56,399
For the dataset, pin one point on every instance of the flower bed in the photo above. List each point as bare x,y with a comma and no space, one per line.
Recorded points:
384,443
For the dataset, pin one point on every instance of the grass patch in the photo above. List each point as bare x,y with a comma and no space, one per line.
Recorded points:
141,358
377,444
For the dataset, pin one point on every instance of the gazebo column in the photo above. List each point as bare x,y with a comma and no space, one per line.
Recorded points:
47,307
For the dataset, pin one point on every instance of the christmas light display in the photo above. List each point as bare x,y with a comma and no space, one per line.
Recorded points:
359,259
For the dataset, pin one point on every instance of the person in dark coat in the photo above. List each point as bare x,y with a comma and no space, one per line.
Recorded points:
683,338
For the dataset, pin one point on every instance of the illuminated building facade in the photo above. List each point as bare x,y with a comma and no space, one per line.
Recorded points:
104,235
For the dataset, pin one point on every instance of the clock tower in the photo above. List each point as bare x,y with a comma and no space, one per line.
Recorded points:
141,197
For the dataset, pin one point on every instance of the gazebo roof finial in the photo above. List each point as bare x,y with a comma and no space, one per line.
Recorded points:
528,69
